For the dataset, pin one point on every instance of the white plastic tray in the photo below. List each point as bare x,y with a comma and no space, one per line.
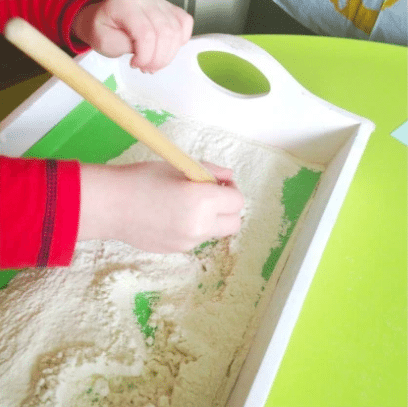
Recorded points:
288,117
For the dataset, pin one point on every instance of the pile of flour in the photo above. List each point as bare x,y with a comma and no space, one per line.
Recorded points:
69,337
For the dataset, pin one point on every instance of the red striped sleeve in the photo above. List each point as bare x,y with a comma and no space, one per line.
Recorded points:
39,212
66,219
54,18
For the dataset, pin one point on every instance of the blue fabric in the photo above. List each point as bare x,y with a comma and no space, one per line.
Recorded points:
401,133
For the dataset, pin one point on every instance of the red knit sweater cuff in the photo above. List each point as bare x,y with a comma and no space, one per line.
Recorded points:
39,212
54,18
67,214
68,38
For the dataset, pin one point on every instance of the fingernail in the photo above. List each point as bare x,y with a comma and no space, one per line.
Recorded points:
224,183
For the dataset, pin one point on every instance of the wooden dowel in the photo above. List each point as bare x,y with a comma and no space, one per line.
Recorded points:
28,39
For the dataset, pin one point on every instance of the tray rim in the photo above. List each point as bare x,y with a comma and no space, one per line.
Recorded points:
258,391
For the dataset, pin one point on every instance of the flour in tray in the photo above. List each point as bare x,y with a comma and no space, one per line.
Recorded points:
122,327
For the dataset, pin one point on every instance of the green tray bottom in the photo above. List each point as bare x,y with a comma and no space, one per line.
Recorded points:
89,136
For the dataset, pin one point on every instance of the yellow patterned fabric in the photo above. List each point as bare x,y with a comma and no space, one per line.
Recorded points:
377,20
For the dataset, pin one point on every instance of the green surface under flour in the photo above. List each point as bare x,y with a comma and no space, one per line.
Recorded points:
296,192
144,304
89,136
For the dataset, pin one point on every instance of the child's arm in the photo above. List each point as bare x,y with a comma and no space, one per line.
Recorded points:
152,30
45,205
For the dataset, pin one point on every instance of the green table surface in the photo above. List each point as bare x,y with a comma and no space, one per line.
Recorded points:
349,346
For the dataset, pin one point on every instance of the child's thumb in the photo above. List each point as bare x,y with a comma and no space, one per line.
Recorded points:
221,173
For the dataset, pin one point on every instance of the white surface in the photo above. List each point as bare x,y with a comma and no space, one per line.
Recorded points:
45,108
288,117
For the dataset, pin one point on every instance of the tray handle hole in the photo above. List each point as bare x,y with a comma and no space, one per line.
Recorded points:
233,73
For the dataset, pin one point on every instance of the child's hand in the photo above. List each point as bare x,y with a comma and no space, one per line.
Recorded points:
153,30
153,207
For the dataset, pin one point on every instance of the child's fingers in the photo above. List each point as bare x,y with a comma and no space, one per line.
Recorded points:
221,173
168,40
153,30
227,225
112,42
186,22
229,200
143,37
171,26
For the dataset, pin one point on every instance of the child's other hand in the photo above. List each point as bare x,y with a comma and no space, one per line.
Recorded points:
152,30
153,206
